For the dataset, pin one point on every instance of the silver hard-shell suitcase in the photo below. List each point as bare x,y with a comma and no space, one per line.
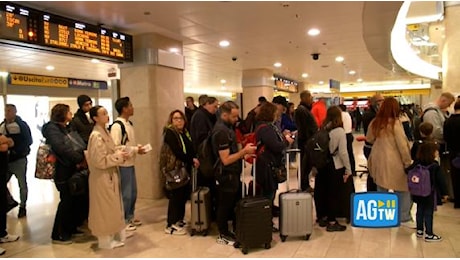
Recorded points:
296,207
200,207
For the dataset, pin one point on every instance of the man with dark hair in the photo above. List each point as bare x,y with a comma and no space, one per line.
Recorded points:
262,100
5,144
18,130
122,132
229,170
190,109
306,127
81,121
202,100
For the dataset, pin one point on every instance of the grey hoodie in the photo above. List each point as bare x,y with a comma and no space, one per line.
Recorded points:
436,118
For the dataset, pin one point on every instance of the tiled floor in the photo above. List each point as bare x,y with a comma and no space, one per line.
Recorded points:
150,241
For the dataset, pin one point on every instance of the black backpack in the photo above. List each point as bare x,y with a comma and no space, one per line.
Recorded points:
317,148
124,135
419,120
205,154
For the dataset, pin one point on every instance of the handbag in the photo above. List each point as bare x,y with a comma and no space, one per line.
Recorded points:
176,178
279,173
78,183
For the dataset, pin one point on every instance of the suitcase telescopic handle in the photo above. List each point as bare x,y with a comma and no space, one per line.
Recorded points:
253,179
194,179
297,152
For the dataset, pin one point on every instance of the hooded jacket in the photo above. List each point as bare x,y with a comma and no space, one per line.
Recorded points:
22,140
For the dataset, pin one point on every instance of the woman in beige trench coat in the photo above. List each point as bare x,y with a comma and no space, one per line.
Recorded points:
105,220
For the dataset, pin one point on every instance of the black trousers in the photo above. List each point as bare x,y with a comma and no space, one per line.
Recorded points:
305,166
67,214
327,187
226,203
3,200
176,207
455,174
351,156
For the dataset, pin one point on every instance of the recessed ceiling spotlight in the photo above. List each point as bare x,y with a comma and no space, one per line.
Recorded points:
49,67
314,32
95,61
352,72
304,75
223,81
224,43
278,64
359,80
174,50
321,82
339,59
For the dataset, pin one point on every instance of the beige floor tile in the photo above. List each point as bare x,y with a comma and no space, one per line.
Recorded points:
372,248
343,249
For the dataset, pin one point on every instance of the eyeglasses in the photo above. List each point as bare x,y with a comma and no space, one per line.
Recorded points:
178,118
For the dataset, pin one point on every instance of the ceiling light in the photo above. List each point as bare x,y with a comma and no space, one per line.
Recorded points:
321,82
278,64
224,43
339,59
174,50
3,74
49,67
304,75
95,61
314,32
223,81
359,80
352,72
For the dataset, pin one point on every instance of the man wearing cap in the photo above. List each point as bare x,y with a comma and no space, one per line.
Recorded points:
81,122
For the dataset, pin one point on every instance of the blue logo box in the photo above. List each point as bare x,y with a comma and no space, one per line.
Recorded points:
375,210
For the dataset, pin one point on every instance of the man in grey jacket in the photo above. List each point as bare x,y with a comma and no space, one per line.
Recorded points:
436,114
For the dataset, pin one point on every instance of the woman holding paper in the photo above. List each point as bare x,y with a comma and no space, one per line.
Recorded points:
106,220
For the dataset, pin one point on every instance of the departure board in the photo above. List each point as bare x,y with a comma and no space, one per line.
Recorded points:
27,25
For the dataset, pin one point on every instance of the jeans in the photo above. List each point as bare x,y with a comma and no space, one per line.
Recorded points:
19,169
424,215
176,207
405,202
226,209
128,191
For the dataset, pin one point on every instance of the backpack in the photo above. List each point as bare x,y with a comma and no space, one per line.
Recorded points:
205,155
317,148
251,138
419,181
45,166
417,121
124,135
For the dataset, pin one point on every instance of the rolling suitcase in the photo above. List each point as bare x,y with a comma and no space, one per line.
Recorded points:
296,208
253,220
200,207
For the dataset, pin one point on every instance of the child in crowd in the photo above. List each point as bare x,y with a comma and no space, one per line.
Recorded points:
426,130
426,156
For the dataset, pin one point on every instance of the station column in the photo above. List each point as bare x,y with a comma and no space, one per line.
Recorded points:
451,51
256,83
155,90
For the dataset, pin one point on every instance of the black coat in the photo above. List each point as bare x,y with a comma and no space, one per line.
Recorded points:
451,129
201,126
82,125
306,124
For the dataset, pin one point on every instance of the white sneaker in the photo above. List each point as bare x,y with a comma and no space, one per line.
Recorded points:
9,238
2,251
175,230
130,227
409,224
116,244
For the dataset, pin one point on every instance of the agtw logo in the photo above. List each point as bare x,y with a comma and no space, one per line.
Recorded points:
375,210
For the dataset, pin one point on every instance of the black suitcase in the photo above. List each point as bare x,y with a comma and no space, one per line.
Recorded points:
253,221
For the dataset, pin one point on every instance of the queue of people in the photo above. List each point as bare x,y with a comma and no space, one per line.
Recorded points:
103,160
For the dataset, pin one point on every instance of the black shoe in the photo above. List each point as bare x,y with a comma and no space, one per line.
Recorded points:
275,211
78,233
12,205
275,229
322,222
335,227
22,212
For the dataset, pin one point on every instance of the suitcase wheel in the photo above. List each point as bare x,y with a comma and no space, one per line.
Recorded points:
283,238
245,250
192,232
205,233
307,237
268,245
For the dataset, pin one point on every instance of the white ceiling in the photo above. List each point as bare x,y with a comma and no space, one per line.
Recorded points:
261,33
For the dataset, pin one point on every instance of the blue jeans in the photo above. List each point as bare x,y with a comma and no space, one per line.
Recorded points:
425,216
405,203
128,191
19,169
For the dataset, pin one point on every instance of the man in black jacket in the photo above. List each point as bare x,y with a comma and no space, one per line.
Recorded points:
306,127
203,121
80,122
18,130
190,109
